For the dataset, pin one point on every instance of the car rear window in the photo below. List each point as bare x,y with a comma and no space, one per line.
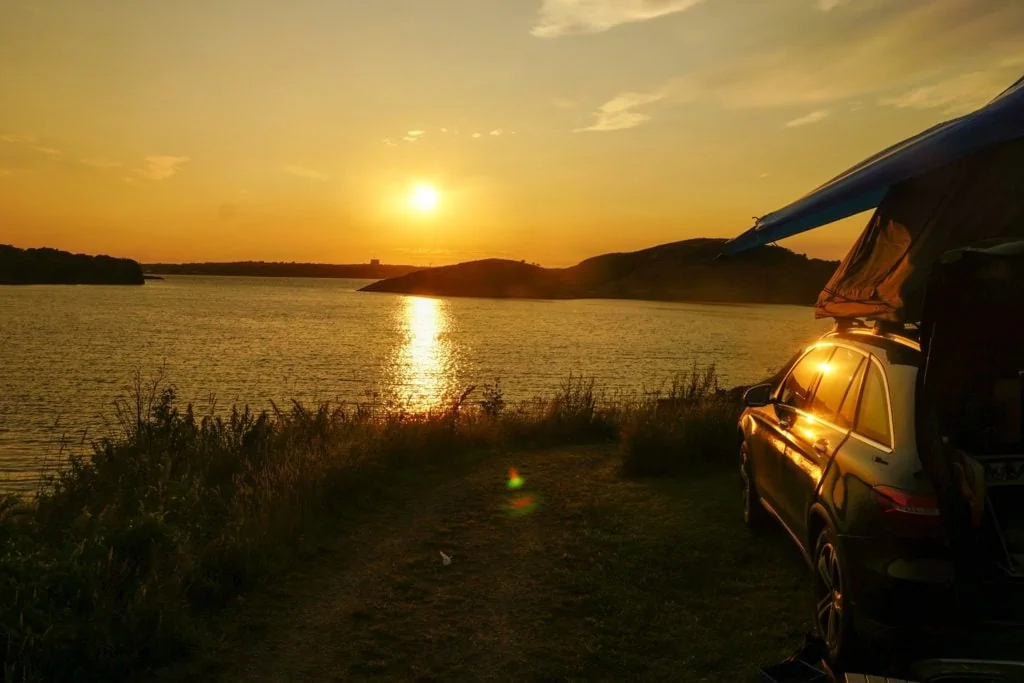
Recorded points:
837,376
873,415
799,385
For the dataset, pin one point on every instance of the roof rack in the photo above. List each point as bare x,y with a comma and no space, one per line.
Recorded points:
905,333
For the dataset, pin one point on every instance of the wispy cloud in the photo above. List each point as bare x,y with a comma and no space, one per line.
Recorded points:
100,162
160,167
303,172
475,135
618,114
829,5
957,95
497,132
813,117
5,172
414,135
389,142
48,151
17,138
926,39
565,17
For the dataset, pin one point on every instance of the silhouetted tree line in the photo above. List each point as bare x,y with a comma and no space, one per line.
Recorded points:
55,267
282,269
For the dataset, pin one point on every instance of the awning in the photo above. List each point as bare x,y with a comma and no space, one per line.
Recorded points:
865,185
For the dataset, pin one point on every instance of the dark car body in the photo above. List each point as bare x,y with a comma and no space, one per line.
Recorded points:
830,450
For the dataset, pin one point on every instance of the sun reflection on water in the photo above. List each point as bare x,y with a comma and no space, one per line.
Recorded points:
426,364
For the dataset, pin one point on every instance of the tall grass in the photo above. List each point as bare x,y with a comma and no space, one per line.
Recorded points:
108,568
690,425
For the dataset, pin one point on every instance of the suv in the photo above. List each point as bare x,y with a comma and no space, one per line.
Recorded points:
830,449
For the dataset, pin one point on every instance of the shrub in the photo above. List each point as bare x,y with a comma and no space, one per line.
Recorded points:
691,426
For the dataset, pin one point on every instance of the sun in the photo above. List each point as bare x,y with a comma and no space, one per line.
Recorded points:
424,198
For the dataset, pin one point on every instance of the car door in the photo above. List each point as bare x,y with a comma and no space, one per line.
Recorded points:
774,422
817,432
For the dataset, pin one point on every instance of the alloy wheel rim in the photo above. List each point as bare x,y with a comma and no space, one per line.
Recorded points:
829,597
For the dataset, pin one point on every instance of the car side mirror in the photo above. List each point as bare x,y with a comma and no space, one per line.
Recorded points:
758,396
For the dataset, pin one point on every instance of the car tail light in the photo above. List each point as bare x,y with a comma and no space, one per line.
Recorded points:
906,512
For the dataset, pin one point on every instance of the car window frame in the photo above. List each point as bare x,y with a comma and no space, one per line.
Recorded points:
872,358
811,389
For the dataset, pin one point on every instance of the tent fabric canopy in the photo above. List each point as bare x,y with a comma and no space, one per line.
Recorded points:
885,275
865,185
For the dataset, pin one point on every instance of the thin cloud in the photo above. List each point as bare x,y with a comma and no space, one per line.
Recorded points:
389,142
566,17
927,40
18,138
618,114
100,162
160,167
829,5
444,130
5,172
414,135
476,135
496,133
957,95
813,117
303,172
48,151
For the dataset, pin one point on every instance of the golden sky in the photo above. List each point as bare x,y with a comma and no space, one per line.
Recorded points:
553,130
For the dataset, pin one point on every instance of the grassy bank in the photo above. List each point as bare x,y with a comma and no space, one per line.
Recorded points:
115,562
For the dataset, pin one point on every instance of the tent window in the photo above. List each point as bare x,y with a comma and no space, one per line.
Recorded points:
873,416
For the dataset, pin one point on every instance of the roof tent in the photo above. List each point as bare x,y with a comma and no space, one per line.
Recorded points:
956,184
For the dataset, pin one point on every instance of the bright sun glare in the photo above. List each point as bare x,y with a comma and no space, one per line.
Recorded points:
424,198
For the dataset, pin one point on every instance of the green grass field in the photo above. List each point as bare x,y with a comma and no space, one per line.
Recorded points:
602,578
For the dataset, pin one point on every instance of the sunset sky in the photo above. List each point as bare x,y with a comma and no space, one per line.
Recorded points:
551,130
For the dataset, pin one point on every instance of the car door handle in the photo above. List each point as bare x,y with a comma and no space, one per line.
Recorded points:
821,446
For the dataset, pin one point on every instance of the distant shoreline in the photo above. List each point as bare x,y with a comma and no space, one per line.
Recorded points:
355,271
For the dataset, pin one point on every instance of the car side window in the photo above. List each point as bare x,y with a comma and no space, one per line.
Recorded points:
836,380
799,385
873,415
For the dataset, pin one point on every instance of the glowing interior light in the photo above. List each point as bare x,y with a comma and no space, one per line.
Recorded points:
514,480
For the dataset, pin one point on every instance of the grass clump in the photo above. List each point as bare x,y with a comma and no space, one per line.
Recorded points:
690,425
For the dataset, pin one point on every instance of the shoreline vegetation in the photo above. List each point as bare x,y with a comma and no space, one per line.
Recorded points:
55,267
690,270
122,558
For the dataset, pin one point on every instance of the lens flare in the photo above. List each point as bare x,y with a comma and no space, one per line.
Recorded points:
522,505
514,480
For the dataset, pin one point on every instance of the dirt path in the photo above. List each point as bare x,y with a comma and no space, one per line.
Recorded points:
578,574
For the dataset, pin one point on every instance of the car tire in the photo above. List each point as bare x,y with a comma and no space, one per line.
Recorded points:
833,617
754,515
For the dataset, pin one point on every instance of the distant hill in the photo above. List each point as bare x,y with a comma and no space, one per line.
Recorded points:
54,267
369,271
680,271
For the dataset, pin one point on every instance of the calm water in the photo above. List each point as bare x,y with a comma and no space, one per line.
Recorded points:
66,353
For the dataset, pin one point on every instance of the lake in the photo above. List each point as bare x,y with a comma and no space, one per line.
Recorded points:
67,353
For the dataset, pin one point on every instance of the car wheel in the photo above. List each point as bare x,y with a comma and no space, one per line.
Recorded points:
832,616
754,514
